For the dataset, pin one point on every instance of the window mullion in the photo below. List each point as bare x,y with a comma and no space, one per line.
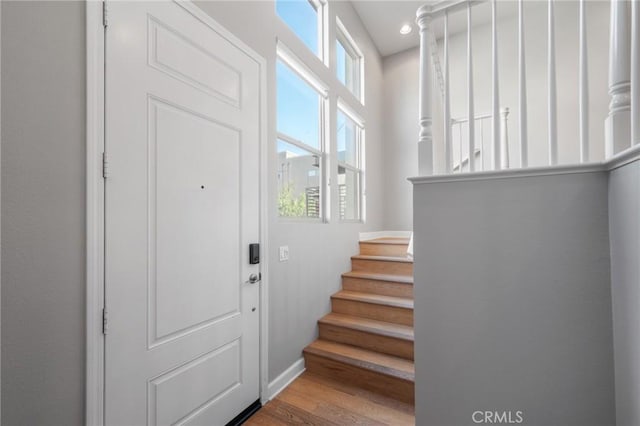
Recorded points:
349,167
288,139
323,164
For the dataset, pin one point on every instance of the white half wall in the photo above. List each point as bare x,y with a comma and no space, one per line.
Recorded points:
624,228
513,300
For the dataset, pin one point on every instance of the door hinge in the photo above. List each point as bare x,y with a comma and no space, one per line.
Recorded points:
105,14
105,165
104,321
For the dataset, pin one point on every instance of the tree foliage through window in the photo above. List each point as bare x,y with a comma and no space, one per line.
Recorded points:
289,205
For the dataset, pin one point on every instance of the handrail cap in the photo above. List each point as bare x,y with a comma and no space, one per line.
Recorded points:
423,10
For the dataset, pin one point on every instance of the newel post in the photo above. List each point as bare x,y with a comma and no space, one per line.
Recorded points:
618,123
425,94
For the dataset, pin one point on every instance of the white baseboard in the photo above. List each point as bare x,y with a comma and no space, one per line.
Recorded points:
364,236
284,379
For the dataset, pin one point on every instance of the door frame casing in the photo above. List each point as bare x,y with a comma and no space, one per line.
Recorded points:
95,206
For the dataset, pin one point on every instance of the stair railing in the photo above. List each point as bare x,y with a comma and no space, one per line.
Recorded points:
459,127
622,126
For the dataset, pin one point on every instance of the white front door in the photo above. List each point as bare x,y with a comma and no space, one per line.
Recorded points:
182,206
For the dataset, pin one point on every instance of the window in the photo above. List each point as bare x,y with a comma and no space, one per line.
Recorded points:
349,62
311,177
350,164
300,111
304,17
298,107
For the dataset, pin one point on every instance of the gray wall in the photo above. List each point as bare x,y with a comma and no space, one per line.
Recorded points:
401,75
43,160
400,129
318,253
513,300
624,228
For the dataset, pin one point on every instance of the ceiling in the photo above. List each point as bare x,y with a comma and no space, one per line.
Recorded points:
383,19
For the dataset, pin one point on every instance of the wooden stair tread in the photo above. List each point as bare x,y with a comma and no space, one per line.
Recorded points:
397,331
379,277
388,365
387,240
376,299
382,258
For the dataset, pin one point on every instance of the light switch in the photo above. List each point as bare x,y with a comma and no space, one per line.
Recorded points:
284,253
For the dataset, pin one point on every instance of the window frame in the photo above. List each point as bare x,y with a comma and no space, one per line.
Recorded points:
291,61
351,48
320,7
359,167
321,12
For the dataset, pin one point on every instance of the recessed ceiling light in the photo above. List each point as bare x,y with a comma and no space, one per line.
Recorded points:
405,29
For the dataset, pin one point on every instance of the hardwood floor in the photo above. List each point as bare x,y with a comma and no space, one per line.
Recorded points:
315,400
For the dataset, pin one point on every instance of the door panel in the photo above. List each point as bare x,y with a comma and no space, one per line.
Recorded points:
170,51
194,194
182,203
203,378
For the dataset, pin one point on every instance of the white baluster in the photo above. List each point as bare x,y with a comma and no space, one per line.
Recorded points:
470,113
504,138
495,125
460,151
551,73
448,159
425,138
482,147
618,123
584,86
524,149
635,72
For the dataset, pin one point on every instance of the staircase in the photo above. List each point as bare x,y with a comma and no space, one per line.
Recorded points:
367,339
